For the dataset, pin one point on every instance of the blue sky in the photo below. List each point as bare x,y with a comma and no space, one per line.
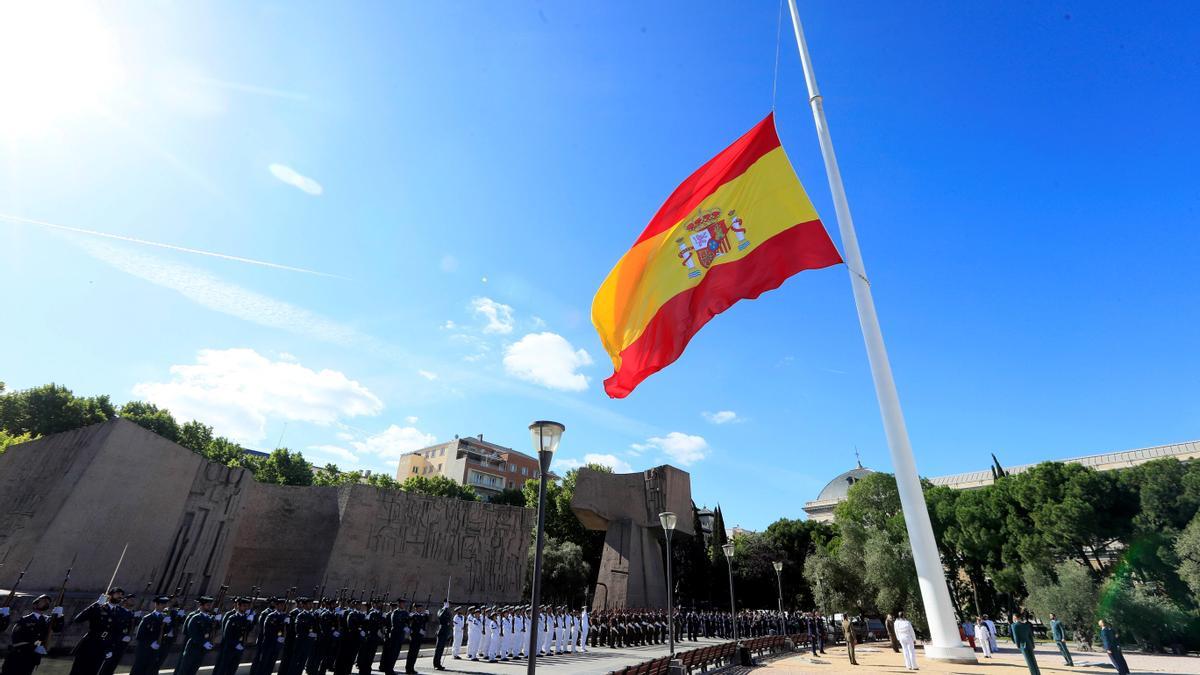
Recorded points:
1023,179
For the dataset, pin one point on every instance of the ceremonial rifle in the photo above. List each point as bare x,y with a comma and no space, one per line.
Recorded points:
217,610
12,592
62,593
146,593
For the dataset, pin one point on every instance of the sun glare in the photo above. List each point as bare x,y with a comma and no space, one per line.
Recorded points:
58,63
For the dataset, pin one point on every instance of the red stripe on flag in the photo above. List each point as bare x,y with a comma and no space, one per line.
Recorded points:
729,164
805,246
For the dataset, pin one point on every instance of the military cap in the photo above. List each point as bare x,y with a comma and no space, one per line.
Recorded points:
244,601
276,600
304,598
163,599
204,599
40,598
116,589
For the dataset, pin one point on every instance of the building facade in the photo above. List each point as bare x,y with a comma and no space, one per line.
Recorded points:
835,491
486,467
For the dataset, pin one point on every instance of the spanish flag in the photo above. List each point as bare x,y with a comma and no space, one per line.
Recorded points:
736,228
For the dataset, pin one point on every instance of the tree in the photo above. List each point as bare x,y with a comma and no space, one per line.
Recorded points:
509,496
1187,548
283,467
690,566
753,571
195,436
566,576
1151,619
224,451
1070,592
795,539
152,418
438,486
7,439
49,409
561,521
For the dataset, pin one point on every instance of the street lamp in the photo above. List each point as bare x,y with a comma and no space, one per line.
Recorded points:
668,522
779,580
728,549
546,436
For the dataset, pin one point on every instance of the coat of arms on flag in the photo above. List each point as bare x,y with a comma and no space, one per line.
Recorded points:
707,239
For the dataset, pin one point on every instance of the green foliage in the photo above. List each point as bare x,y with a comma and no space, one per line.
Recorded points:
753,573
150,416
510,497
7,439
566,576
49,409
195,436
1070,592
438,486
690,566
282,467
1187,550
795,539
1151,619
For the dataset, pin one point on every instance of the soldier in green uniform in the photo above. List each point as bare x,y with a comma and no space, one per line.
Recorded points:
1022,635
149,639
196,642
29,636
271,633
96,644
306,633
235,628
1112,647
1060,639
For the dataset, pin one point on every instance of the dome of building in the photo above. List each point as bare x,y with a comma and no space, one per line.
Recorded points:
840,486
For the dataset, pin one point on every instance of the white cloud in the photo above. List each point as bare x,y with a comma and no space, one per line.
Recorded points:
449,325
499,315
344,436
448,263
679,447
429,375
538,322
286,356
721,417
411,419
394,441
613,462
549,360
336,451
296,179
238,390
484,280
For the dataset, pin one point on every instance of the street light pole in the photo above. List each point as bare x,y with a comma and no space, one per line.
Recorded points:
779,580
668,521
546,436
728,549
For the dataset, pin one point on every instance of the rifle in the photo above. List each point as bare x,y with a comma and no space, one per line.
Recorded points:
146,593
62,593
12,592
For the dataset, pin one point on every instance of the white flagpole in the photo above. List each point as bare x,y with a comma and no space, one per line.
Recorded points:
943,627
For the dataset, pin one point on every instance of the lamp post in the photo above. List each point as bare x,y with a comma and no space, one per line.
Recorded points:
668,523
546,436
779,580
728,549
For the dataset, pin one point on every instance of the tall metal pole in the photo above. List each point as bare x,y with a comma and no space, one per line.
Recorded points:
779,581
536,594
670,599
732,606
931,578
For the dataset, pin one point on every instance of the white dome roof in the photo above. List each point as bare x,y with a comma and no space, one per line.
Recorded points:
838,487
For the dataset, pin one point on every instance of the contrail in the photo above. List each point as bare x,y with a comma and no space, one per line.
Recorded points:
172,247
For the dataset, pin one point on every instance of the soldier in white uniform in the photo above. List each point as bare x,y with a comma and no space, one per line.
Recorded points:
493,636
474,633
456,640
583,629
544,633
506,625
560,632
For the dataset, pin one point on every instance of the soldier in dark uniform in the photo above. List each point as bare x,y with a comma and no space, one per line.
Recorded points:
397,622
370,643
321,660
150,630
416,631
172,628
289,640
271,635
196,637
1022,636
123,627
445,629
352,636
97,642
235,629
29,636
306,631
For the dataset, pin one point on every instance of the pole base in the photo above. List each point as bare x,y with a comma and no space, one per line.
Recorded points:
950,653
675,667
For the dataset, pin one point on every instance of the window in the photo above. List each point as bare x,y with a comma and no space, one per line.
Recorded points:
524,471
512,468
414,469
439,468
442,452
510,485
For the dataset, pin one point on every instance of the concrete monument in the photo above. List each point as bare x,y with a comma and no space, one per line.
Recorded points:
626,506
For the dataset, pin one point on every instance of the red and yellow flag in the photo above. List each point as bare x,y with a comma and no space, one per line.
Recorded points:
736,228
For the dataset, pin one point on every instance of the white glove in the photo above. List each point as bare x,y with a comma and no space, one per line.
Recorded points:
287,620
337,633
171,634
108,655
208,645
138,614
312,635
127,638
3,611
280,640
167,619
40,650
103,599
154,645
239,647
362,633
218,617
57,611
